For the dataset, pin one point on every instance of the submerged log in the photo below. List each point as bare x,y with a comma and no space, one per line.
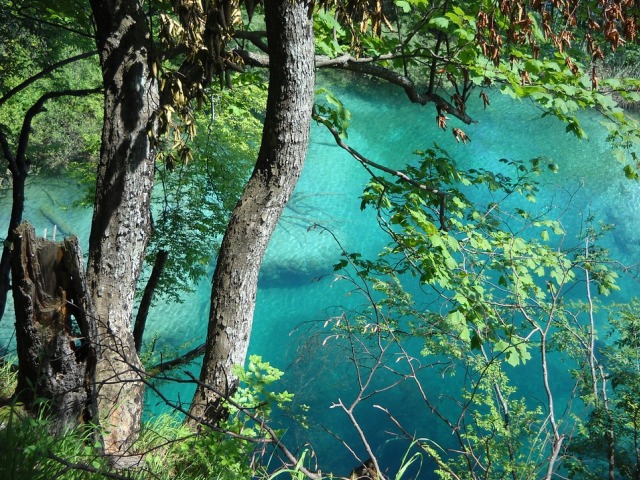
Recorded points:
54,329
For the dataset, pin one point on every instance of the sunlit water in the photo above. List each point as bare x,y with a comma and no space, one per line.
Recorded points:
297,288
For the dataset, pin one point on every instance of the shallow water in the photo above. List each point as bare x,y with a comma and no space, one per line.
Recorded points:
297,289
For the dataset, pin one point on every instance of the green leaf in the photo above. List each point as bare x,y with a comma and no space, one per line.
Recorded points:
440,22
403,5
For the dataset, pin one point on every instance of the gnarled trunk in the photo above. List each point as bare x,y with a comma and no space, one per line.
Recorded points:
121,220
54,328
284,146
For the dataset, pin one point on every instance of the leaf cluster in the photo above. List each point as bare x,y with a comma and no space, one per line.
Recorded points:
198,189
30,42
486,298
611,430
28,452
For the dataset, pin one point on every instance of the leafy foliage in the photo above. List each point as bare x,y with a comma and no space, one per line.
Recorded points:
68,132
171,449
554,53
236,449
8,377
28,452
474,259
201,181
608,438
496,275
30,42
494,284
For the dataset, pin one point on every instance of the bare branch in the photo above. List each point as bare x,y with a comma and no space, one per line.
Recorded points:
44,73
367,66
439,462
356,425
177,362
83,467
257,38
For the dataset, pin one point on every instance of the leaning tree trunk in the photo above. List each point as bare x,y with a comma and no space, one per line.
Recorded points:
19,177
121,221
54,328
284,146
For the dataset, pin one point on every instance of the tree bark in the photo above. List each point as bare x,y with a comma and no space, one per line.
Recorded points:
54,328
18,178
121,221
19,170
280,160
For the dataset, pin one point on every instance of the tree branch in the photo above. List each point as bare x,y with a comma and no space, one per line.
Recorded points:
367,66
83,467
176,362
275,438
257,38
147,297
44,73
35,109
442,465
397,173
21,12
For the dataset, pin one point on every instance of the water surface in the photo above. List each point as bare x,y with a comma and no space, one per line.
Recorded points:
298,291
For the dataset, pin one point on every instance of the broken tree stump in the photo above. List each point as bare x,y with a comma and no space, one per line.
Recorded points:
55,329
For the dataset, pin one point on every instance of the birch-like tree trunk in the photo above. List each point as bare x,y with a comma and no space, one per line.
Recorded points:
280,160
121,221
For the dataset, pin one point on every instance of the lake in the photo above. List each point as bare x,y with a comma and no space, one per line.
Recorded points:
298,290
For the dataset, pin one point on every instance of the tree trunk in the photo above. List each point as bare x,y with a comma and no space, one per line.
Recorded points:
284,146
147,297
19,177
121,221
54,328
19,168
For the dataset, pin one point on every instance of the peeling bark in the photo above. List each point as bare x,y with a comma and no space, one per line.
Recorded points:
54,328
284,145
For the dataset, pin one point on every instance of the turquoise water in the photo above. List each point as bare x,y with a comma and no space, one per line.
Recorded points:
298,291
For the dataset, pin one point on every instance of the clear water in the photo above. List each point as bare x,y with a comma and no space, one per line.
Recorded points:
297,289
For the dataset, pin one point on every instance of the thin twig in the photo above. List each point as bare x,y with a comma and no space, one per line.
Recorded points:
397,173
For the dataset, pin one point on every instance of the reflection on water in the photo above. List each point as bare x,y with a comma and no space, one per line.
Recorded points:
297,288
